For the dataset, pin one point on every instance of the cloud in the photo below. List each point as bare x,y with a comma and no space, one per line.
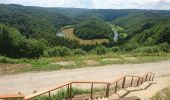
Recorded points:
51,3
97,4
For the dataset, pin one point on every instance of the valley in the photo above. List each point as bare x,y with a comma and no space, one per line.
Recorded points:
44,46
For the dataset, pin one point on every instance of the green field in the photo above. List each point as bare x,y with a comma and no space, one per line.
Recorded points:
69,34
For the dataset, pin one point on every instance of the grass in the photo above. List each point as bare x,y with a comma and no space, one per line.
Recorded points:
69,34
46,64
63,94
162,95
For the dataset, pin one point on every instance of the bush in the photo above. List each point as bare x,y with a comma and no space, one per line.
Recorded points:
6,60
116,49
100,50
165,47
148,49
59,51
14,44
79,52
131,46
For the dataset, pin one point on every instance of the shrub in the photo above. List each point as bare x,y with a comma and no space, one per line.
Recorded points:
79,52
116,49
6,60
59,51
100,50
131,46
148,49
165,47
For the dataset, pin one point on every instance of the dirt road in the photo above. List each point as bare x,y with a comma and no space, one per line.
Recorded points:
28,82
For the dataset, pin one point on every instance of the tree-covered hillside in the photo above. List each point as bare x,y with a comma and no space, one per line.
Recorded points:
34,22
30,32
93,28
145,29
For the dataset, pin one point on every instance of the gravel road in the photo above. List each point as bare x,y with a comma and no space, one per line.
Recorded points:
28,82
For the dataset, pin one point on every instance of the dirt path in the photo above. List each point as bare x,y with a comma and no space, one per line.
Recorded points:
28,82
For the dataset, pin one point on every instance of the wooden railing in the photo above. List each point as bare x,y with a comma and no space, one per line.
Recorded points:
111,87
12,96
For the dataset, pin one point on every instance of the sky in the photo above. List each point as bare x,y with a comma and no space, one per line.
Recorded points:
96,4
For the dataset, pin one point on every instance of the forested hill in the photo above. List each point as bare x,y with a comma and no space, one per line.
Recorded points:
33,22
93,28
145,29
29,32
38,22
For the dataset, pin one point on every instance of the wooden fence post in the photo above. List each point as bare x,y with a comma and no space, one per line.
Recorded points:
70,91
146,77
131,82
116,87
153,77
138,81
124,80
91,90
142,80
107,90
150,76
49,95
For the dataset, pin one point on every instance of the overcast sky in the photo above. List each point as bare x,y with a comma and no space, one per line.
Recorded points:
96,4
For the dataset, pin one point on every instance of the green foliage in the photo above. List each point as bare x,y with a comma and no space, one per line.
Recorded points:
61,41
148,49
6,60
63,94
59,51
93,28
13,44
165,47
131,46
79,52
137,22
33,22
116,49
28,31
100,50
146,28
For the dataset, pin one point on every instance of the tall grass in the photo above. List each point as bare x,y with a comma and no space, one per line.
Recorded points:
63,94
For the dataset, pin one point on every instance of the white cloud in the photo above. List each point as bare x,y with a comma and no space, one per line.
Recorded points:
97,4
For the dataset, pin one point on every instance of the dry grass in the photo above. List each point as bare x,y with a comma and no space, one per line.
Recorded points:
69,34
12,68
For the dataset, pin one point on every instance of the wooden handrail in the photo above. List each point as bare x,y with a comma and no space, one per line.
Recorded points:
118,79
6,96
90,81
69,84
46,91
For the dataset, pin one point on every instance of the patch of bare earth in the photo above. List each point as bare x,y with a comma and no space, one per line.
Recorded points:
66,63
12,68
110,59
91,62
130,58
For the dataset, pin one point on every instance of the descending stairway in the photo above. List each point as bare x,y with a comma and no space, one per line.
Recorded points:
123,92
113,90
101,99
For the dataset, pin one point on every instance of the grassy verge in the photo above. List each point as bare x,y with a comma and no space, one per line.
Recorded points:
63,94
49,64
162,95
